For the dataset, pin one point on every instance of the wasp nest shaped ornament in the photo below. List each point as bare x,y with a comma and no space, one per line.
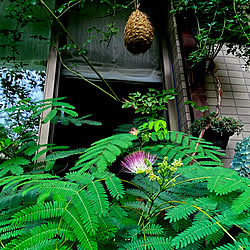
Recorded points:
138,33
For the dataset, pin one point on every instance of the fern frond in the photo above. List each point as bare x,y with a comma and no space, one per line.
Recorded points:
80,177
117,212
50,244
8,231
114,186
104,152
184,146
207,203
98,197
153,229
137,205
242,202
85,213
73,219
194,233
63,154
40,233
15,180
10,234
194,246
158,243
66,189
215,237
230,218
151,242
137,193
182,211
47,210
241,244
105,233
13,165
191,189
225,182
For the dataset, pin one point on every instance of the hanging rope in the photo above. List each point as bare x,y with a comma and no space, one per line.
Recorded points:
136,2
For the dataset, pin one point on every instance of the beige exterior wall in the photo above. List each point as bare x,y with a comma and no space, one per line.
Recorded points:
235,86
235,82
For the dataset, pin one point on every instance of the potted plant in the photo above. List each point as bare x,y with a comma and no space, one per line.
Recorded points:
219,131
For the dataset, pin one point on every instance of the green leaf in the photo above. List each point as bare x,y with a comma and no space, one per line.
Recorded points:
50,116
242,202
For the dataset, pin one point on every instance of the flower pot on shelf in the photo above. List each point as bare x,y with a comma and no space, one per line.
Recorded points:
221,128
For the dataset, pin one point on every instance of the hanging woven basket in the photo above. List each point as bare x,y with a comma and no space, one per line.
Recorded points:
138,33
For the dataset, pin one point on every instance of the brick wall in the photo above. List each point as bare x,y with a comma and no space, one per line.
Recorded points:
235,82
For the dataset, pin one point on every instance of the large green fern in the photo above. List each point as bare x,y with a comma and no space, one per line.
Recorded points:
103,153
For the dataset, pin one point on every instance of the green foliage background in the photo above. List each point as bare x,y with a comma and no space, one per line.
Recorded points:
200,205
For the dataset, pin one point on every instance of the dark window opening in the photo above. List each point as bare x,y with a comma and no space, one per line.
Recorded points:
89,100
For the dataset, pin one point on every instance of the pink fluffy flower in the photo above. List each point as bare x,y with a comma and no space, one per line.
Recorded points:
138,162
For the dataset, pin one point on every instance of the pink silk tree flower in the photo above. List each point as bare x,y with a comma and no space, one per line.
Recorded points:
138,162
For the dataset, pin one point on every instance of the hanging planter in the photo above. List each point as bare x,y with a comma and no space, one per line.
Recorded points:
138,33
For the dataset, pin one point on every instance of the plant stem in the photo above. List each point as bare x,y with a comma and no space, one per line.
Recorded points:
201,210
78,48
2,244
69,7
83,78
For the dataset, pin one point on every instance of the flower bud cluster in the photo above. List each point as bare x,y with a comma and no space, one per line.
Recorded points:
165,172
145,137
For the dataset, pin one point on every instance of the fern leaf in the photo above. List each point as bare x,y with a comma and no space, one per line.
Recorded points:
104,152
136,205
37,234
63,154
242,202
194,233
137,193
10,234
241,244
191,189
224,183
215,237
156,243
153,229
39,211
230,218
73,219
63,188
181,145
50,244
207,203
194,246
105,233
98,197
181,211
87,214
81,177
117,212
14,180
114,186
13,165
